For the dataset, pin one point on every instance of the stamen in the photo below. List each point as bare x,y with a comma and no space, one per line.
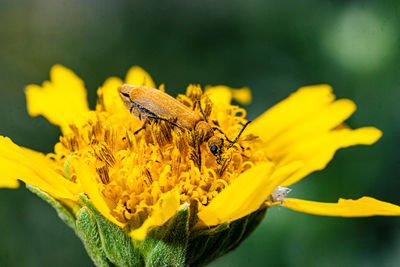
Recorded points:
103,174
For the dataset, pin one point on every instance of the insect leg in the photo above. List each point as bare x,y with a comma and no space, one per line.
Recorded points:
166,120
155,118
141,128
202,111
138,131
146,121
199,154
195,103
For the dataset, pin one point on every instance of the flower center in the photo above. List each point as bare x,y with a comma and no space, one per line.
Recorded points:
135,168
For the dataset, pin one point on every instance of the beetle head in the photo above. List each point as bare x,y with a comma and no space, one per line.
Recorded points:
124,92
215,144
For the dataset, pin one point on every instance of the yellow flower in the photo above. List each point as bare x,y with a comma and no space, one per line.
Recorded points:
140,181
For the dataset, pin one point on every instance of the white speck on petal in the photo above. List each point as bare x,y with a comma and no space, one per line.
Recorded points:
279,194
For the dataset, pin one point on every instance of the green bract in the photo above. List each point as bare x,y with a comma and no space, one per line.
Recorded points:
172,244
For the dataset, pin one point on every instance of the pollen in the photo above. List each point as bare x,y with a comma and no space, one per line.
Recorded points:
135,162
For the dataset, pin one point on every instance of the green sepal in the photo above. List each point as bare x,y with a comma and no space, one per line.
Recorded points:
172,244
62,211
207,245
167,245
115,242
211,231
86,229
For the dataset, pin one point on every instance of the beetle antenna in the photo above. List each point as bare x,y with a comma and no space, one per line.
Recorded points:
227,139
219,130
241,131
202,111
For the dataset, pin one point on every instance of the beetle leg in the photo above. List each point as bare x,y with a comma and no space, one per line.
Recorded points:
199,153
146,121
202,111
137,131
195,103
166,120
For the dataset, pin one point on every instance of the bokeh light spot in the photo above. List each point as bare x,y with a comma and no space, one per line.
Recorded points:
359,40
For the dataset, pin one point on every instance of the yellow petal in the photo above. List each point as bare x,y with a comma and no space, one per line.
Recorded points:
316,152
307,127
222,207
138,76
306,102
255,200
245,194
219,94
7,182
91,188
222,94
33,168
109,96
362,207
62,100
326,119
242,95
164,209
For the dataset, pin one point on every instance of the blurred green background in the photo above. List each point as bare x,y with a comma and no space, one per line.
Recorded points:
270,46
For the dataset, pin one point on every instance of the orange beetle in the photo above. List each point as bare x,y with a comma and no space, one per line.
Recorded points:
149,103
